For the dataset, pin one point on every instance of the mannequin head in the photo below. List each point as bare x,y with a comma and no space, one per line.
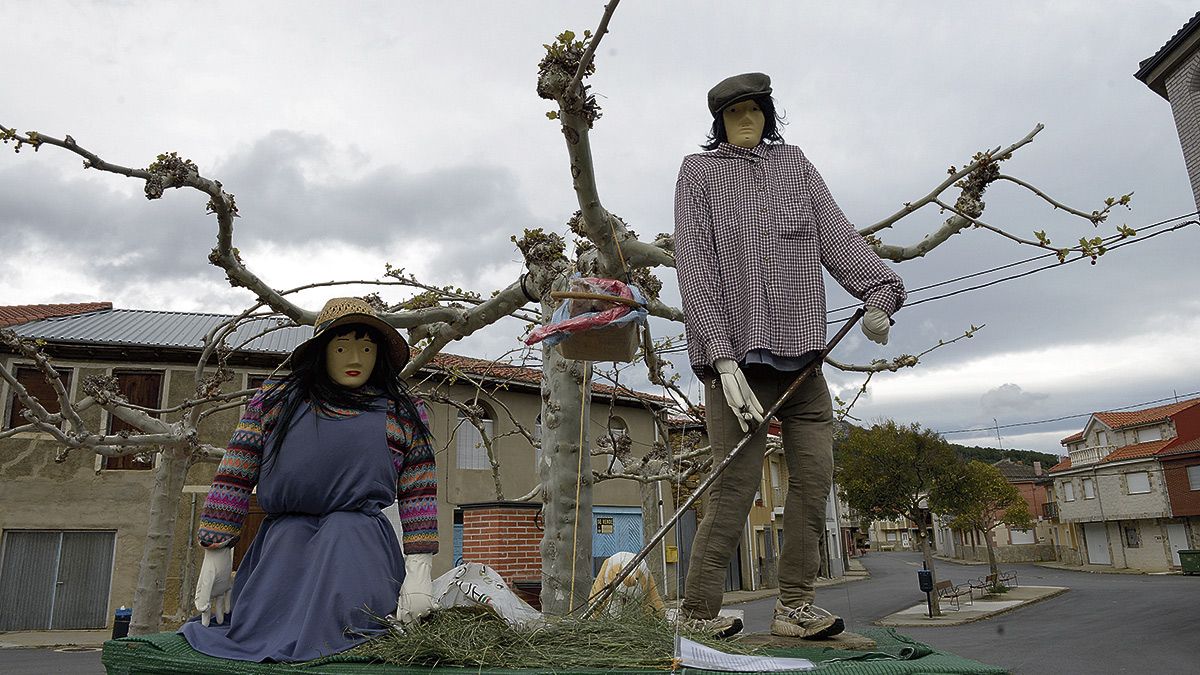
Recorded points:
350,356
743,123
769,129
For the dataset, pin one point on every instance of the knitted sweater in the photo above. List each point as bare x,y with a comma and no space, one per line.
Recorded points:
228,500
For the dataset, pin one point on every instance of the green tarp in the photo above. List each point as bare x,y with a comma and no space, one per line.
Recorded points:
169,653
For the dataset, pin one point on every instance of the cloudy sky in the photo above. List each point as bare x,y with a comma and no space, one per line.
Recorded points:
357,133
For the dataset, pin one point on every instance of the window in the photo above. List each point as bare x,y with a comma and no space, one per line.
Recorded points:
1068,490
1148,434
1138,482
1101,438
1133,538
1089,488
143,388
470,450
1193,473
255,381
37,386
618,432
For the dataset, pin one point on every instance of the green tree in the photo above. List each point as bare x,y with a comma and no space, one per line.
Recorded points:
891,471
979,498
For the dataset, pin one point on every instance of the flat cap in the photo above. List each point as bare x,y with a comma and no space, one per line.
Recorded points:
737,89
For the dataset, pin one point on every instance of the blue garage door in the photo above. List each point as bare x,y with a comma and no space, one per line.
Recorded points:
617,528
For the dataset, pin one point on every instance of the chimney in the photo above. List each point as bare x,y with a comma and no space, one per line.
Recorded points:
1037,468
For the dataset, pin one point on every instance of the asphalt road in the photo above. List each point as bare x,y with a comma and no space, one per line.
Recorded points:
1106,623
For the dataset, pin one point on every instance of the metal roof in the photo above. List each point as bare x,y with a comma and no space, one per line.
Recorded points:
180,330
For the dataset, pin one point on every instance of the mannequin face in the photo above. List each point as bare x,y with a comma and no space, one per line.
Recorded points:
349,360
744,124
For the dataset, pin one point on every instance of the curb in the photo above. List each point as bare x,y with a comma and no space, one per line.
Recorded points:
973,619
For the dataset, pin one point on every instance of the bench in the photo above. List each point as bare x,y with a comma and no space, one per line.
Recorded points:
946,590
1009,578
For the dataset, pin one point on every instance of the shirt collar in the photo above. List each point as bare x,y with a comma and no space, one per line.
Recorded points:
761,151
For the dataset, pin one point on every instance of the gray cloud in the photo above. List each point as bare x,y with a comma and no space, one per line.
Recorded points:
1011,399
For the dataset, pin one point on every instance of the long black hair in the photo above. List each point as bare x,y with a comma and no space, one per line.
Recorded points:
773,121
309,382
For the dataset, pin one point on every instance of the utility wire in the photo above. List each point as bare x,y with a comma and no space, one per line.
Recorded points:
1018,263
1067,417
1032,271
1137,239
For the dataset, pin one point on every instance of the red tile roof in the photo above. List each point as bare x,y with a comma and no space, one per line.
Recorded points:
1137,450
1187,446
1132,418
526,375
1061,466
1077,436
11,315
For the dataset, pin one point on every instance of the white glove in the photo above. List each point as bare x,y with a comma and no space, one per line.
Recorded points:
215,583
416,593
738,394
875,325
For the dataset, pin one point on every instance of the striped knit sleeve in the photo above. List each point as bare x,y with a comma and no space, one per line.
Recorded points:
228,499
416,480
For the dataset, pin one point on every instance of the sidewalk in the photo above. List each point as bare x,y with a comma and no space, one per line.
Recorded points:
855,572
973,610
41,639
1098,569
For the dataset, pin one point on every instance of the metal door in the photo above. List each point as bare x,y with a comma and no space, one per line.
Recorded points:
1177,537
616,529
55,580
1096,536
685,533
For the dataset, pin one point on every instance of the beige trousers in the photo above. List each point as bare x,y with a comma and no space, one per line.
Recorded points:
807,425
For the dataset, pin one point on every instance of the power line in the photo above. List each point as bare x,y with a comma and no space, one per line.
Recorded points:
1018,263
682,348
1028,272
995,427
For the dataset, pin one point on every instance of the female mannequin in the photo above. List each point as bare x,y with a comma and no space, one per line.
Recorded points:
328,448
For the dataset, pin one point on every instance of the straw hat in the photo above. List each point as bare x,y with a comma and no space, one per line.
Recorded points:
346,311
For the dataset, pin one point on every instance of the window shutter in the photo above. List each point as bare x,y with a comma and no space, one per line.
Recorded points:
143,388
39,388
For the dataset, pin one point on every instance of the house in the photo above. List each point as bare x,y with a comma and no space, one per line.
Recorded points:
1112,490
72,532
1011,545
1174,74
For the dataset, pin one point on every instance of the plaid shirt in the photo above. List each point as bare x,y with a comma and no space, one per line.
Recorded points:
752,231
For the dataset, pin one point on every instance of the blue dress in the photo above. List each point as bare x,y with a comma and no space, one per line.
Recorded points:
326,560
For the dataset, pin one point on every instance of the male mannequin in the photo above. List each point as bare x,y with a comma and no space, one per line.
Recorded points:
754,225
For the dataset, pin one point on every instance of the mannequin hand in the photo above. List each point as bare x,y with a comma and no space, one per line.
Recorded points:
416,593
738,394
875,325
216,580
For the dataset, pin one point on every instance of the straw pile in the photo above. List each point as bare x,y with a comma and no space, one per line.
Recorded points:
476,637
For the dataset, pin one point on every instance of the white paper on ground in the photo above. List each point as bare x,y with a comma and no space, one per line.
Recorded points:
695,655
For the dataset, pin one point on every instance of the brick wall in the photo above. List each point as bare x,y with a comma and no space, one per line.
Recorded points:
1184,500
1183,90
507,537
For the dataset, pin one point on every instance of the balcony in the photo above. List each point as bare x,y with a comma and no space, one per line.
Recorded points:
1090,455
1050,510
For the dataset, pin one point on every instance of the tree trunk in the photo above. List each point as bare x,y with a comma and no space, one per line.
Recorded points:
651,515
927,556
567,539
991,549
169,478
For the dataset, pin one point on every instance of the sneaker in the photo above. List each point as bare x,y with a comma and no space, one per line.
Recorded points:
718,627
806,621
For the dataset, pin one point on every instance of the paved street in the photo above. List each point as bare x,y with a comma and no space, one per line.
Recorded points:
1106,623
